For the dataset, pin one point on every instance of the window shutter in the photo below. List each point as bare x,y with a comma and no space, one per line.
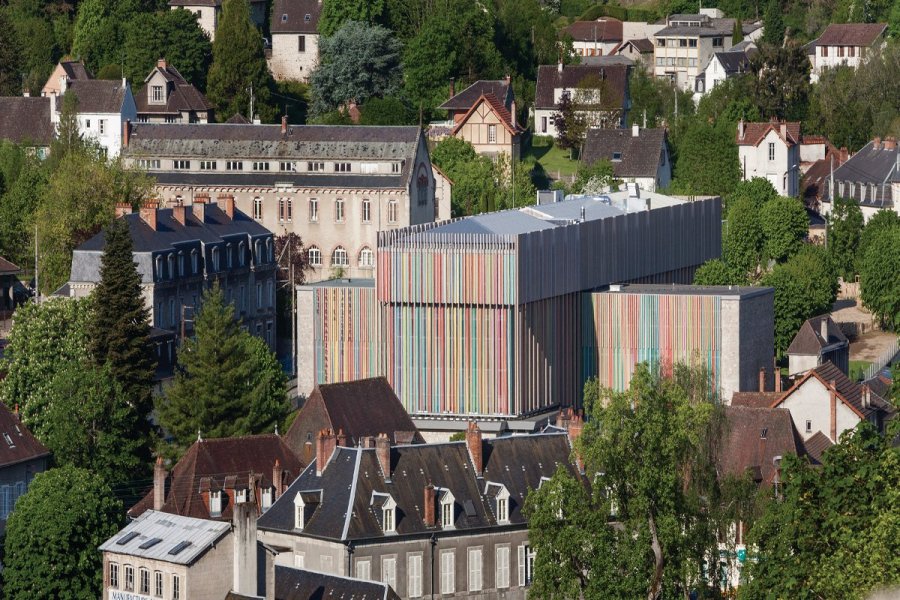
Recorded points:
522,566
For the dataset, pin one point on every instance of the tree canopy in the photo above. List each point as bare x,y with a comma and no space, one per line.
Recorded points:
785,226
782,80
845,225
175,35
337,13
879,275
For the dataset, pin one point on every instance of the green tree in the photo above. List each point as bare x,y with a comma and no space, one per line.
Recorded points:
44,339
742,242
357,63
883,220
781,75
728,102
785,226
68,135
17,207
845,225
838,109
239,65
594,178
53,535
223,387
175,35
757,190
654,98
452,154
707,160
11,60
335,14
570,124
879,276
773,24
98,31
525,36
387,111
644,528
805,286
737,33
717,272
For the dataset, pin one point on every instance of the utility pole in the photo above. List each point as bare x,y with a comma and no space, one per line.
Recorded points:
37,288
251,101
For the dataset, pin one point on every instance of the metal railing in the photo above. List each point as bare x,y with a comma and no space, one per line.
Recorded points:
884,359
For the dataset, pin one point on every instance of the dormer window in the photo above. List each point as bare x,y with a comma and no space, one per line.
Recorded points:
284,18
305,504
306,18
215,504
240,496
156,94
299,512
498,497
617,156
448,509
385,509
502,510
266,499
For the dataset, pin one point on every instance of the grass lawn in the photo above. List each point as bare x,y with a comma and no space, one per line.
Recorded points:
553,160
858,369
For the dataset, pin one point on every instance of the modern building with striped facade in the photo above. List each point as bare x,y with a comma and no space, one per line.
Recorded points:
488,316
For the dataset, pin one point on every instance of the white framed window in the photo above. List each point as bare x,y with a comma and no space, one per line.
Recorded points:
149,163
145,581
215,503
315,166
181,165
366,210
314,256
299,512
290,167
526,565
114,575
234,165
474,567
392,211
492,134
313,209
808,426
156,93
195,262
771,150
414,575
503,510
129,578
207,165
260,165
241,253
339,210
281,211
448,510
102,124
364,569
389,571
366,257
229,251
339,257
448,572
502,565
290,210
176,587
299,560
257,210
158,584
301,43
266,499
342,167
387,517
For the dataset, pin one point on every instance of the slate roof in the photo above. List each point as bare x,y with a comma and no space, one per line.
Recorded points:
171,531
181,97
549,78
98,95
75,70
216,464
26,120
17,445
238,119
733,62
809,340
753,437
464,100
851,34
296,16
639,156
816,446
642,45
8,268
755,132
709,28
352,475
606,29
361,408
870,165
250,179
300,584
850,392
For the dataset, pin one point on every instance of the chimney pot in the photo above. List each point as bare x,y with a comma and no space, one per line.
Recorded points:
784,130
122,209
284,124
428,511
877,143
276,479
341,438
383,452
890,143
199,208
159,484
635,130
473,442
559,66
161,63
226,204
574,429
325,447
512,111
148,213
777,373
741,129
178,213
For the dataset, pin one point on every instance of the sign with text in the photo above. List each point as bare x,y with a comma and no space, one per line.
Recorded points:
120,595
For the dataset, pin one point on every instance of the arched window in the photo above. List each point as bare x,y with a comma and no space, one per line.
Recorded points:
242,250
392,211
180,263
366,257
229,255
215,259
257,208
314,256
270,249
195,262
159,268
339,257
171,266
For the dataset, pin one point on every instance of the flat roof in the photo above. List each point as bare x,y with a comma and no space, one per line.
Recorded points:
339,283
741,291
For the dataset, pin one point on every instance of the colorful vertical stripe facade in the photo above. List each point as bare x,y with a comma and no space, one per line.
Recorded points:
349,343
660,329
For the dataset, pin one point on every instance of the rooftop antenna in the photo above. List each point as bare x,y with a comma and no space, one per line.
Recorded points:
251,101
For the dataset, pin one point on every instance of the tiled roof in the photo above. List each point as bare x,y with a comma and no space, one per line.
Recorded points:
503,114
755,132
171,531
75,70
851,34
7,268
604,30
296,16
809,340
642,45
17,445
639,156
464,100
238,119
549,78
298,584
361,408
353,475
816,446
182,97
733,62
753,437
218,464
26,120
755,399
98,95
849,392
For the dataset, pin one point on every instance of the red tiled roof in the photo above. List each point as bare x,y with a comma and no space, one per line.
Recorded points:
753,438
606,30
816,446
7,268
755,399
497,107
849,392
755,132
17,445
851,34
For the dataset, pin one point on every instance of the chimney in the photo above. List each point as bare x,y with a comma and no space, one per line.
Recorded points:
276,479
178,213
562,419
159,484
126,133
635,130
762,379
512,110
864,396
26,94
823,329
367,442
383,452
784,130
341,438
833,394
741,129
473,442
559,66
845,154
890,143
226,204
199,208
63,83
452,87
576,426
777,372
325,445
876,144
428,509
161,64
244,542
506,79
148,213
284,124
122,209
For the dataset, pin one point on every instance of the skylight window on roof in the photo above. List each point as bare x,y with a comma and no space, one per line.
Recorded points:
127,538
469,507
179,547
284,18
150,543
307,18
617,156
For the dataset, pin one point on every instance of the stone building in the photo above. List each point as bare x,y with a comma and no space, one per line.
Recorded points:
295,39
771,151
168,98
209,11
599,92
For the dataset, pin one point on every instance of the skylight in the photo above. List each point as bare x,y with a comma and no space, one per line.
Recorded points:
127,538
284,18
181,546
150,543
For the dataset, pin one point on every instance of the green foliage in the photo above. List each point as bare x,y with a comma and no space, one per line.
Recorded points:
459,436
175,35
818,539
225,385
238,65
525,36
773,24
68,136
99,32
25,188
845,225
737,33
53,535
805,286
785,226
595,178
641,444
294,99
879,275
718,272
781,75
358,62
728,102
387,111
757,190
452,154
11,60
44,339
111,72
655,97
570,124
883,220
337,13
707,160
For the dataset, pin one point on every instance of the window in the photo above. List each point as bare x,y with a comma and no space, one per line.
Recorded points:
301,43
526,565
808,426
475,581
234,165
284,18
181,264
392,211
299,512
260,165
158,587
195,262
502,577
156,93
181,165
215,504
389,571
366,258
492,134
339,210
129,578
257,214
364,570
682,43
661,42
366,210
395,167
448,572
414,575
176,587
771,150
617,156
313,209
692,43
281,202
342,167
447,511
102,123
306,18
113,575
660,61
290,210
229,254
159,268
315,166
145,581
692,62
314,256
241,253
87,123
387,517
271,287
207,165
840,52
339,257
172,319
717,42
824,51
290,167
171,266
152,163
502,510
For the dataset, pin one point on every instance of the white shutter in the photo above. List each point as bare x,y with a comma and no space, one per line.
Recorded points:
522,566
414,573
364,570
448,572
475,580
389,571
502,578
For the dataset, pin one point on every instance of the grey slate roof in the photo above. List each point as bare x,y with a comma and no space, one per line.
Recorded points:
75,69
171,530
296,16
26,120
549,78
182,97
342,180
870,166
711,27
640,156
733,62
300,584
98,95
464,100
809,340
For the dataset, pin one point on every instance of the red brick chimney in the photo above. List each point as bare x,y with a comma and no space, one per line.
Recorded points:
762,379
276,479
574,429
126,132
122,209
833,393
341,438
777,372
148,213
890,143
876,143
159,484
161,63
563,418
428,502
284,124
383,452
326,442
226,204
473,443
199,207
178,213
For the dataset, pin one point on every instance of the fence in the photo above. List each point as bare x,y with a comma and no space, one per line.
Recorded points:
884,359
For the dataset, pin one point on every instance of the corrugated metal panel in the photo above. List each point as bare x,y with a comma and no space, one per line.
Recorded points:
171,530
